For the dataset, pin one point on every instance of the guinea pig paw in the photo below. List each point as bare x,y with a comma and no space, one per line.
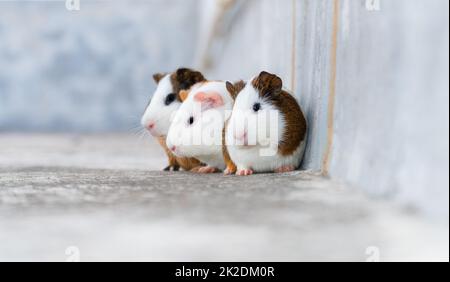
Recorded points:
286,168
196,169
229,171
172,168
207,169
244,172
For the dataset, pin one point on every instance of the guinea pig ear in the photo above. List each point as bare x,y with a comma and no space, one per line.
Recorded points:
230,88
209,100
268,84
158,76
185,78
183,95
235,88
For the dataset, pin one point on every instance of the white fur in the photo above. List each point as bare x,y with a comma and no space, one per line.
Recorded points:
157,112
249,157
211,123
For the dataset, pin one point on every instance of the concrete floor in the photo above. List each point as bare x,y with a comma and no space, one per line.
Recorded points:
104,196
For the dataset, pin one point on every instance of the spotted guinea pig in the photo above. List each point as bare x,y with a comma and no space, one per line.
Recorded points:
267,130
164,104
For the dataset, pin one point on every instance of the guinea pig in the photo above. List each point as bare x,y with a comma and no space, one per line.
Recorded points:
262,106
165,102
197,128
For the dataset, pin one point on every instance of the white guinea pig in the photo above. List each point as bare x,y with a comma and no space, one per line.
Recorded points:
197,127
267,129
165,102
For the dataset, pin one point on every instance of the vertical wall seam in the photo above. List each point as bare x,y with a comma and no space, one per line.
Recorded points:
294,46
332,90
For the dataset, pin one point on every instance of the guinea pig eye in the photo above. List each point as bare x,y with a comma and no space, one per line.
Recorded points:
191,120
170,98
256,107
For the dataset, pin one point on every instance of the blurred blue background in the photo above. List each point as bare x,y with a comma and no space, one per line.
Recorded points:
88,70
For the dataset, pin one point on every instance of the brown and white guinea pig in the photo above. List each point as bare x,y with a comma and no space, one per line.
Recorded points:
164,104
196,130
267,129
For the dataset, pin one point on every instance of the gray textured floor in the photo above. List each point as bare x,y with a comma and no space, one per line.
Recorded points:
98,194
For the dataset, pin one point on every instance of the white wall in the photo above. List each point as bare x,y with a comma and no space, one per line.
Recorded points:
314,28
254,36
391,117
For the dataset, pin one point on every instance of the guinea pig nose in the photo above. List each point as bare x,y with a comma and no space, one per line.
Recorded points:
173,148
151,125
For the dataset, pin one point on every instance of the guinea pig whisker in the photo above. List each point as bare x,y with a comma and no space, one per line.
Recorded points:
136,129
144,134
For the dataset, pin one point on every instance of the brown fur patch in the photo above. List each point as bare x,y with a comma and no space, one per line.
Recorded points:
231,167
183,79
295,123
269,87
186,164
267,84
